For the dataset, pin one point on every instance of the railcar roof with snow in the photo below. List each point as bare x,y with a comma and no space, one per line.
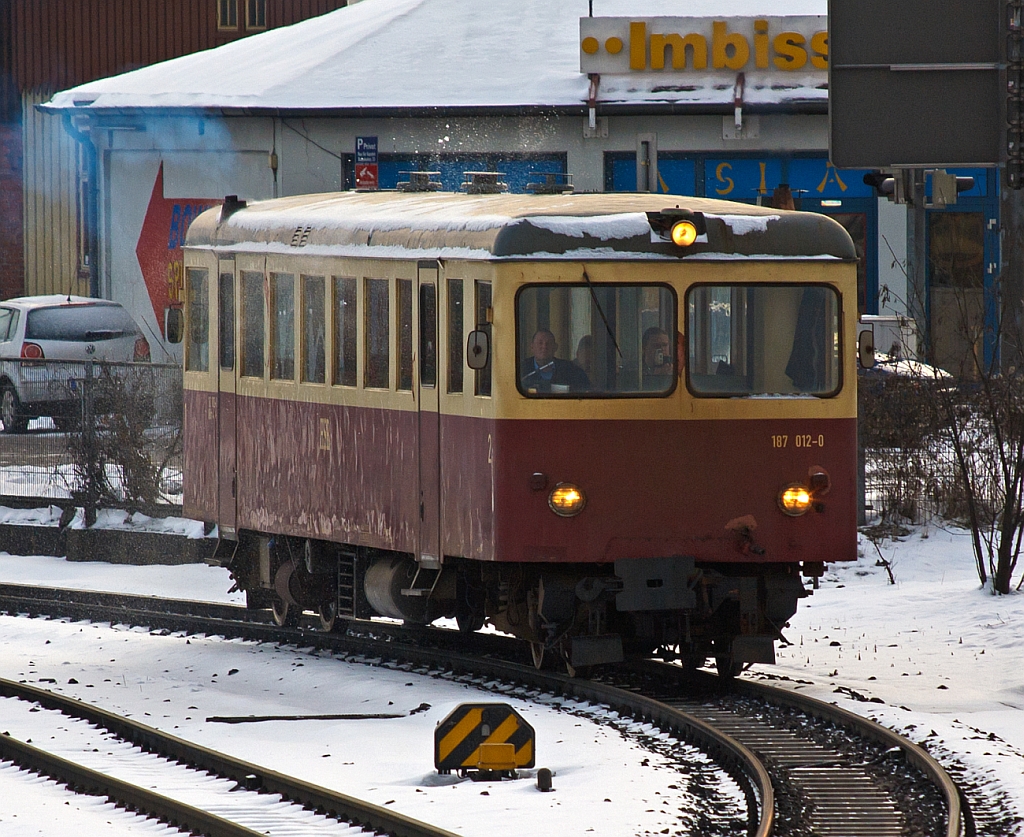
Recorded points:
436,225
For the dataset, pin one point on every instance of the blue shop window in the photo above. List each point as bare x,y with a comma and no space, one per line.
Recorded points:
519,170
677,175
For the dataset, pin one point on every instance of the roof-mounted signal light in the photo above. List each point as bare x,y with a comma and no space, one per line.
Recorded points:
682,227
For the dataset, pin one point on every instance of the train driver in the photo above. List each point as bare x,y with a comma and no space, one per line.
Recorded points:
657,354
543,372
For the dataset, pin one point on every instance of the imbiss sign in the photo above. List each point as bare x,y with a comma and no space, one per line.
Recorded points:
700,46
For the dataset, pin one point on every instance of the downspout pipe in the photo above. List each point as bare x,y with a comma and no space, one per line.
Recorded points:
595,84
89,203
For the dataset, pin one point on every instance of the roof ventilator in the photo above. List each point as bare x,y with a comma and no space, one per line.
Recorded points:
419,181
484,182
300,238
230,206
553,183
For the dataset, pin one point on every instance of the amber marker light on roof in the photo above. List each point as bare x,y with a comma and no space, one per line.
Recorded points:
566,500
682,227
795,499
684,233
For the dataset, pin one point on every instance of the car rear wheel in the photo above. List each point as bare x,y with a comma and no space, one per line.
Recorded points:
10,411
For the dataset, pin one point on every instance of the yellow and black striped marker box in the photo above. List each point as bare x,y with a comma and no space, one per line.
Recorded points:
485,737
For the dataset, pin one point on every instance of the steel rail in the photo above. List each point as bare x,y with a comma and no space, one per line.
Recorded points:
250,776
739,761
124,794
958,819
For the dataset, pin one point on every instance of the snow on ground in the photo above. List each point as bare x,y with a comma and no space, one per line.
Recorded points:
933,656
606,783
36,806
944,657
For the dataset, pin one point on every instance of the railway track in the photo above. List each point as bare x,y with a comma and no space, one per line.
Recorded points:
805,767
190,787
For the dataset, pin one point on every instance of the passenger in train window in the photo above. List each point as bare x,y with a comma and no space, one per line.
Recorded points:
585,355
657,354
543,372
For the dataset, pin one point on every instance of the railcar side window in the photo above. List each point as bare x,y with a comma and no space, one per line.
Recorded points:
226,320
405,334
252,324
763,340
378,357
483,322
197,350
313,330
282,327
428,335
596,340
345,325
455,335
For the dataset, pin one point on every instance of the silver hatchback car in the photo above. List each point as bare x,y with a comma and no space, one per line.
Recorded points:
37,330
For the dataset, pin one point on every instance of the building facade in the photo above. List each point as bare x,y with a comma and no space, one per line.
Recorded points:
45,173
725,107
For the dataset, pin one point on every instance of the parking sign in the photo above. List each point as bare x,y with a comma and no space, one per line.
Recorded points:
366,162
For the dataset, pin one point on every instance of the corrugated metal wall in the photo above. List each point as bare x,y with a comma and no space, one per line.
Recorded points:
57,45
49,198
51,45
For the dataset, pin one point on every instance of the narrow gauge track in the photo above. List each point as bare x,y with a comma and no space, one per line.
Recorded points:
180,783
832,772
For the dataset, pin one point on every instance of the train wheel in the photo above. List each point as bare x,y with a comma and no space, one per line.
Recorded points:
727,668
537,652
468,620
328,613
284,614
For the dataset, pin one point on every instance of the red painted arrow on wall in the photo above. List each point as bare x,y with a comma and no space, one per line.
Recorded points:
159,246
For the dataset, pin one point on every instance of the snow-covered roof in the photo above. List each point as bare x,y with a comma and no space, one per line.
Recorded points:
423,54
591,226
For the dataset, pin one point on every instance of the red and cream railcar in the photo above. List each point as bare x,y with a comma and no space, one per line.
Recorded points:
602,425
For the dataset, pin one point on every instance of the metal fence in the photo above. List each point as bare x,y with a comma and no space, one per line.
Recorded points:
94,433
906,427
109,434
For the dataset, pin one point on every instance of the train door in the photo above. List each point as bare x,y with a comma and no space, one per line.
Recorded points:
429,424
226,417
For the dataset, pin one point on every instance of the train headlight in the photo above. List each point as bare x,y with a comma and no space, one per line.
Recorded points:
795,499
566,500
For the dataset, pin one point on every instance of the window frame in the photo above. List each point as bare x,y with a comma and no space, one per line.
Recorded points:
405,334
279,362
228,9
255,9
12,323
604,395
306,336
192,302
839,333
483,378
339,337
246,323
456,331
368,332
226,347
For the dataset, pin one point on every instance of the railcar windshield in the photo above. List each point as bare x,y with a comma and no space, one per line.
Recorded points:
596,340
763,340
